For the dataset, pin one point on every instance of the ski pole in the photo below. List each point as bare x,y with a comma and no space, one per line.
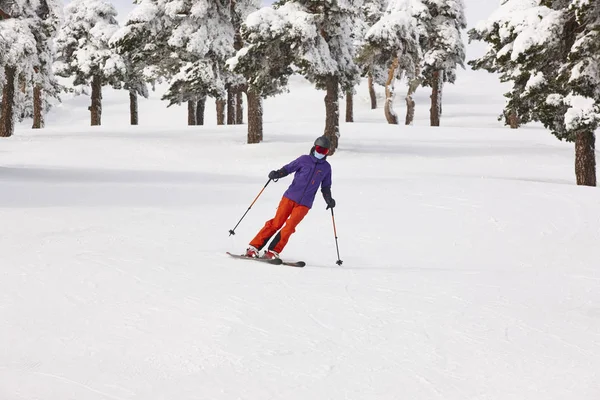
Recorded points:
232,231
338,262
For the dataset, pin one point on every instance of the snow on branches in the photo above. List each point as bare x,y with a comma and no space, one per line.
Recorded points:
83,43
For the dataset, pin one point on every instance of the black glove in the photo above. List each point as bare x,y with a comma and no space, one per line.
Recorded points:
330,203
327,196
277,174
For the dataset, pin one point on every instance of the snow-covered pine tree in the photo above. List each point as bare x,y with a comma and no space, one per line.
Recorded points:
371,12
551,51
265,61
203,39
315,37
142,43
44,84
136,84
43,19
498,60
84,53
396,43
18,55
445,49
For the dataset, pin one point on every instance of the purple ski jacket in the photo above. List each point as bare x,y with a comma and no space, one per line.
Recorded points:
310,173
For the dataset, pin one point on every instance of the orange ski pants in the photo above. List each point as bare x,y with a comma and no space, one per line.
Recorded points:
289,213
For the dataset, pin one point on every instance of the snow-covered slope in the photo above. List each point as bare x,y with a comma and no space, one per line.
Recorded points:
470,260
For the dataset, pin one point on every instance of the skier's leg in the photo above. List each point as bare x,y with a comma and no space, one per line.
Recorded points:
281,239
273,225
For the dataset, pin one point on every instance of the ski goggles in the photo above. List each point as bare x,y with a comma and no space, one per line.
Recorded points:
322,150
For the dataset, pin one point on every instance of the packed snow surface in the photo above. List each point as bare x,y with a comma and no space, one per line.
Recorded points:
470,259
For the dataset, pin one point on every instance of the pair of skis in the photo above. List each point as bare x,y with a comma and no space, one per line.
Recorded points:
274,261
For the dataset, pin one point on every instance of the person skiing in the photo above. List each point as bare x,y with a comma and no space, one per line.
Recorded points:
310,171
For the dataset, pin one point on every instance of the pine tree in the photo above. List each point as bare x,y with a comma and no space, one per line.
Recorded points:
26,56
444,51
313,36
396,43
265,62
202,39
371,12
44,84
141,42
186,43
550,50
84,52
498,60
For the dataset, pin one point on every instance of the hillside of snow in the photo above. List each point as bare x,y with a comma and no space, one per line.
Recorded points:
470,258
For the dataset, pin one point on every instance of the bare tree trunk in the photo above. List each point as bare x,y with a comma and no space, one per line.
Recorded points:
585,158
96,107
191,112
38,113
239,107
230,106
332,111
255,117
133,107
220,111
410,102
200,107
238,43
350,105
436,98
372,93
390,114
7,119
441,95
512,119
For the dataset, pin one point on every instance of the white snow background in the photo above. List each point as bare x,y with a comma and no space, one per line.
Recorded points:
471,258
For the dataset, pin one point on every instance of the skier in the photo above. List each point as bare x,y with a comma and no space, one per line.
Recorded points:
311,171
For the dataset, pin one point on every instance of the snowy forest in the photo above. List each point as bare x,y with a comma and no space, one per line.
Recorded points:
240,52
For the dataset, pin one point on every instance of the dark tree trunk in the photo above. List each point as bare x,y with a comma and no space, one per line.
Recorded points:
96,107
390,114
513,119
410,102
230,106
38,113
372,93
436,98
441,96
191,112
332,111
255,117
220,111
133,107
200,107
410,110
7,121
349,106
239,107
585,158
238,43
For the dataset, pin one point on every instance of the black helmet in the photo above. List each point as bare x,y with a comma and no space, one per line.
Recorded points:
323,141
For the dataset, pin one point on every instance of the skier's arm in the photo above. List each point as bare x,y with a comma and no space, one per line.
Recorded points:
286,170
326,191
